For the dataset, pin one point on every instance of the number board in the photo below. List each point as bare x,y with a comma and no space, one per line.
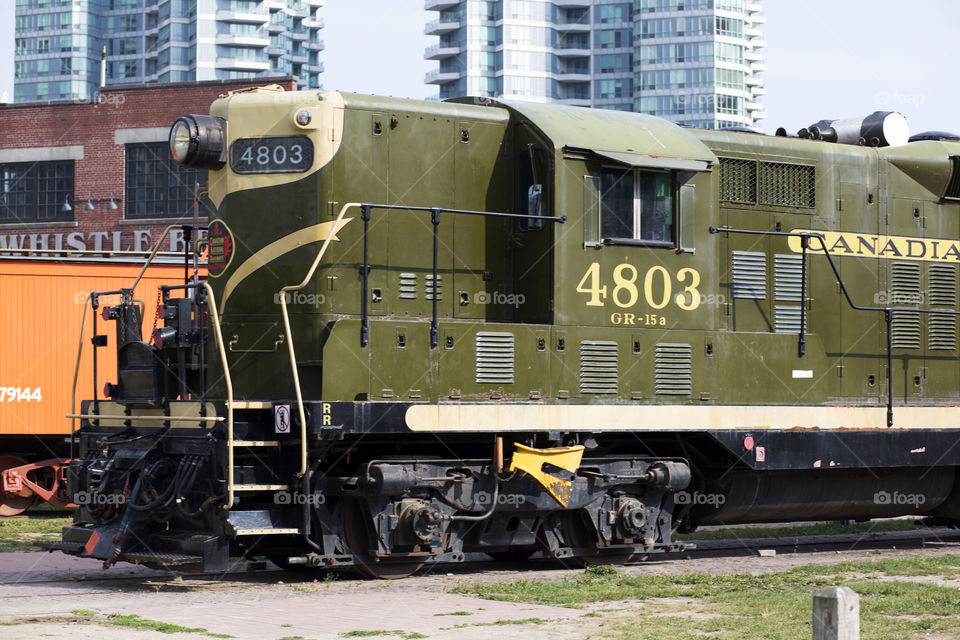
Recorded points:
279,154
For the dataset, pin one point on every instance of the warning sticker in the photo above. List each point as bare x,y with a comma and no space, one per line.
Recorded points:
281,418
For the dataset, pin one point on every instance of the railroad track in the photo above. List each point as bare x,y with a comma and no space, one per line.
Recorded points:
476,563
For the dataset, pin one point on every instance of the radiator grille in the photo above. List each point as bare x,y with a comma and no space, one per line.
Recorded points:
787,185
738,180
495,351
673,370
749,275
599,370
904,288
408,286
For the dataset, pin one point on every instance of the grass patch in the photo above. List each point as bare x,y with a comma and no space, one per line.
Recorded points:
771,606
86,613
137,622
455,613
19,533
821,529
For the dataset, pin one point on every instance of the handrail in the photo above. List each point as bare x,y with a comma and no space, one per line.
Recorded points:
887,311
212,303
289,334
76,375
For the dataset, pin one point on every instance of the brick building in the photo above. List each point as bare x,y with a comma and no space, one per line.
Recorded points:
97,175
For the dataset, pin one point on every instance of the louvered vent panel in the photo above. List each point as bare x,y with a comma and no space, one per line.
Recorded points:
738,180
495,351
942,291
598,367
673,371
787,287
787,185
905,289
786,319
953,189
429,288
749,275
942,280
408,286
942,332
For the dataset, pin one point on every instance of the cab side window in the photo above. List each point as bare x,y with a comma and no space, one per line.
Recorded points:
637,207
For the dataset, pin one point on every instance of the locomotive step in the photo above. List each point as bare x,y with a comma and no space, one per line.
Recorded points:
261,487
267,532
260,522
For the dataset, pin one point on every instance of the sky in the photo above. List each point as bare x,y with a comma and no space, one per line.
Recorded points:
825,58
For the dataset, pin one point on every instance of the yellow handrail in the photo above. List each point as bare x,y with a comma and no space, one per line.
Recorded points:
286,328
212,303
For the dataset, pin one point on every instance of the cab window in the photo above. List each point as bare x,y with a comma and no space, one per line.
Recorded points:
637,207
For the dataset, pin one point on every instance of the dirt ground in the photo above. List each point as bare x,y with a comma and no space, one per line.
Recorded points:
40,592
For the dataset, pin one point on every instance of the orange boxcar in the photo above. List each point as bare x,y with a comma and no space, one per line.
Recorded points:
41,311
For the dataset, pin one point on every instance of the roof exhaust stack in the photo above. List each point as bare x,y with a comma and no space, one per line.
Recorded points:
879,129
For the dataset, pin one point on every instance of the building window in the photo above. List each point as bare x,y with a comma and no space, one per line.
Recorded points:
637,205
156,187
35,192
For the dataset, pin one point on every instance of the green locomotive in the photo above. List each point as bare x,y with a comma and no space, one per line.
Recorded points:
489,326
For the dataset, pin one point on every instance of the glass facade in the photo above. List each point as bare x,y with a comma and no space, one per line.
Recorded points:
696,62
58,43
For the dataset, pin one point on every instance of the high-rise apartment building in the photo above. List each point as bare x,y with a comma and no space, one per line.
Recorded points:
58,43
696,62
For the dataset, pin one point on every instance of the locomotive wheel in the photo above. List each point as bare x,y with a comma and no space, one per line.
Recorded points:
357,539
578,534
513,555
13,504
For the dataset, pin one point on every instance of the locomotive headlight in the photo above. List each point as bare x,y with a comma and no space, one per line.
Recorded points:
199,142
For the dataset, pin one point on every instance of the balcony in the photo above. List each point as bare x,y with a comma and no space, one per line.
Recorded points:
247,17
314,24
297,10
439,52
301,35
758,43
242,64
752,56
572,27
436,27
242,41
573,77
441,77
758,91
757,19
753,81
758,67
572,3
315,46
436,5
571,53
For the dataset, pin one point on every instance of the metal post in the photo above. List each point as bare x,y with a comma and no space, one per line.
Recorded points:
434,330
364,273
836,614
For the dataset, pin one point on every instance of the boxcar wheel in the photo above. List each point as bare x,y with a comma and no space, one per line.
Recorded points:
13,504
578,534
